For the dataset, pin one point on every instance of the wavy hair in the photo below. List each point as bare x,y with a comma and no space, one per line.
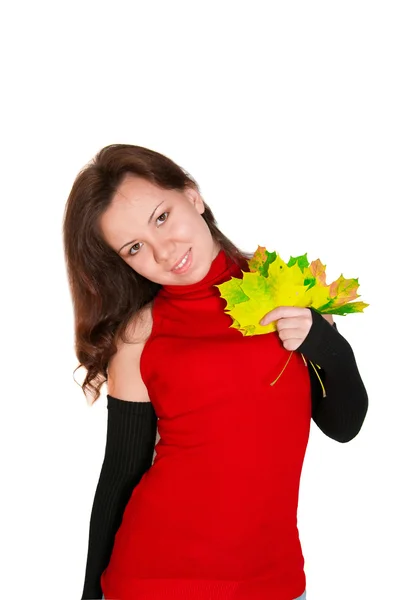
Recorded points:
106,292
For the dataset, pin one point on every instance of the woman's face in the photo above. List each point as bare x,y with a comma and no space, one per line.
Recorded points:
176,226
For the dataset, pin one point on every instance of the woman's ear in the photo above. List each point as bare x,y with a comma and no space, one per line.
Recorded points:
200,207
196,200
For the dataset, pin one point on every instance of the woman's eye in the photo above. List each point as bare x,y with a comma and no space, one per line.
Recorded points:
133,254
131,250
165,213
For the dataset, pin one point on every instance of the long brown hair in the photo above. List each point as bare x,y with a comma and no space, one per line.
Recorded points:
106,292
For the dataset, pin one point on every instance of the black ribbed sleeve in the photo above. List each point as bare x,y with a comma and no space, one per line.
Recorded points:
130,443
341,413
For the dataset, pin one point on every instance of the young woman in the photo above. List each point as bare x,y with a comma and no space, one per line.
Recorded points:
214,516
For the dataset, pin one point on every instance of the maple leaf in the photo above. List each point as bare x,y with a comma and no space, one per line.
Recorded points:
271,282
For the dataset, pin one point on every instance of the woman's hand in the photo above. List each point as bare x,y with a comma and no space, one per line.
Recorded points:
293,324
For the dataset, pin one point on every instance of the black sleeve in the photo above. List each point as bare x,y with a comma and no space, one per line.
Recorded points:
341,413
130,443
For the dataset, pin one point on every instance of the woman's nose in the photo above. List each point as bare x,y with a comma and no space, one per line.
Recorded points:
166,256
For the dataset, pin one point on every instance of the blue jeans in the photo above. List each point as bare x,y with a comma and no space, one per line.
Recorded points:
302,597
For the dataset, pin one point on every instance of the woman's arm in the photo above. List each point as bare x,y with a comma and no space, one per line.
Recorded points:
341,413
130,444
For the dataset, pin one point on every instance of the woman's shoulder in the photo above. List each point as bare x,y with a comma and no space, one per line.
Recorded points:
124,374
140,325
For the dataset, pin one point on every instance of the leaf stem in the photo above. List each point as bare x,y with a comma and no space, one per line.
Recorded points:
317,374
290,356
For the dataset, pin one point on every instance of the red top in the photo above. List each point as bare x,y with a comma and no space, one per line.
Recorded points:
215,516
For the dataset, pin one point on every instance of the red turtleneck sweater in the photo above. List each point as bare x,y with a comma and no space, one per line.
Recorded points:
215,516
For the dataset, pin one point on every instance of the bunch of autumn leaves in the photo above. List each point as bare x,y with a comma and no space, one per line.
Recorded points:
271,282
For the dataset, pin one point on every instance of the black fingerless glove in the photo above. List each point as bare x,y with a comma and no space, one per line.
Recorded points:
130,443
341,413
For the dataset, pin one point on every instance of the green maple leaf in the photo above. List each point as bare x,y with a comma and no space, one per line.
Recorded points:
271,282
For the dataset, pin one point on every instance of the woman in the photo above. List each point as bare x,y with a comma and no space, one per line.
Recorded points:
214,516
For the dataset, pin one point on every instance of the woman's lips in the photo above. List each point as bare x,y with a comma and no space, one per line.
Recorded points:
185,267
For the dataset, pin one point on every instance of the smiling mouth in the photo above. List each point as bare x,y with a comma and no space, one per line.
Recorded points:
186,261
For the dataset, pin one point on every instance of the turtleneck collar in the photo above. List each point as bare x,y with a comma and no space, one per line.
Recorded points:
221,269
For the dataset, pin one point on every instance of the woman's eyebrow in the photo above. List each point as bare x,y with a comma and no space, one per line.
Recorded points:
149,220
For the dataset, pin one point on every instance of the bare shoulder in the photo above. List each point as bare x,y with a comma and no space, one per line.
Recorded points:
124,375
140,326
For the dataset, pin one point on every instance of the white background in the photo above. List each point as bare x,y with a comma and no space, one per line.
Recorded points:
286,114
